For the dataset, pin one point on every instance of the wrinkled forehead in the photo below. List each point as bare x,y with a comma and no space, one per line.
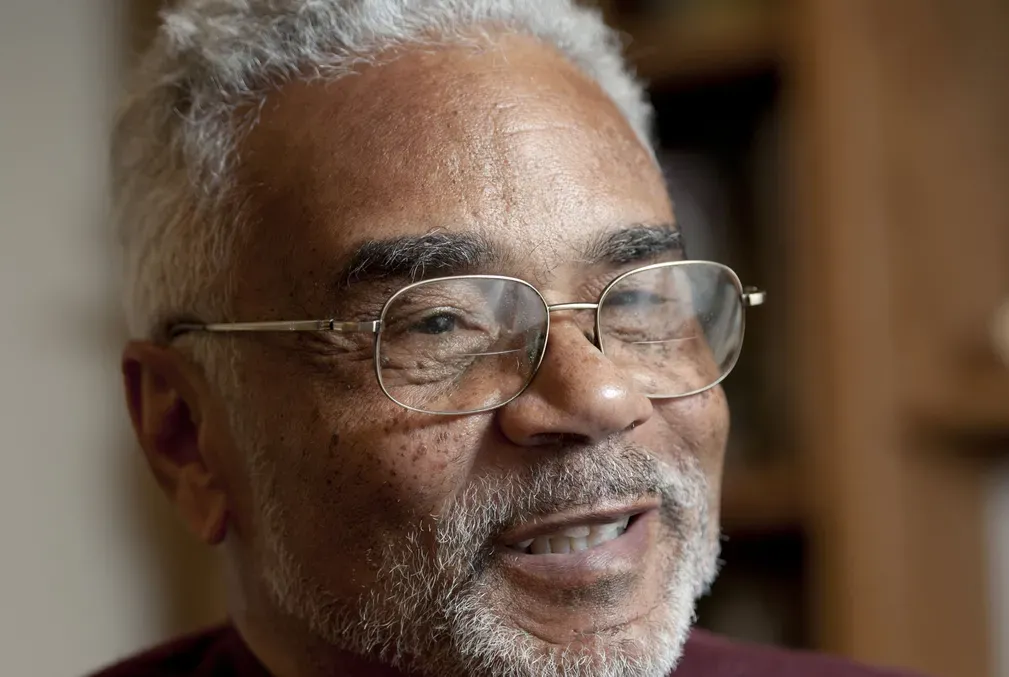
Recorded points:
507,144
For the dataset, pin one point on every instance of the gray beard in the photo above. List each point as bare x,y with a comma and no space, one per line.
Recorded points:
432,612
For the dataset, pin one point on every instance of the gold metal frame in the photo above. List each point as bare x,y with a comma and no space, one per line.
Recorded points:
748,298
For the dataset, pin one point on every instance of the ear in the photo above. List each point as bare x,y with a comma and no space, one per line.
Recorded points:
167,398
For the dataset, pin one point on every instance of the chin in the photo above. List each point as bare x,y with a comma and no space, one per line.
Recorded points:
603,630
647,646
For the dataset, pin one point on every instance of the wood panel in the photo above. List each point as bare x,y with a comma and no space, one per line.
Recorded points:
899,571
848,428
762,499
704,44
945,65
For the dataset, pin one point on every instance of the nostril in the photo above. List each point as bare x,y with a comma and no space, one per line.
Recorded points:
559,439
634,424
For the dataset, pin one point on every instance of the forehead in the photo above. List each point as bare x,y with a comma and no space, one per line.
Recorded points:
508,141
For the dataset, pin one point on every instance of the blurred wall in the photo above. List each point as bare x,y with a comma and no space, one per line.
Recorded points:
90,554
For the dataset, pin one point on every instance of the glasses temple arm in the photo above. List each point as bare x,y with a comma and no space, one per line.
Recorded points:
279,326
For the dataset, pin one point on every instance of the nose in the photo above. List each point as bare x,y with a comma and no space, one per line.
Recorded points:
577,394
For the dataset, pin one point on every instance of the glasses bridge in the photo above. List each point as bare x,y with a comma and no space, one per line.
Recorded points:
557,307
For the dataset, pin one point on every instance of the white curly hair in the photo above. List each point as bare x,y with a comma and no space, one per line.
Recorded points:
174,143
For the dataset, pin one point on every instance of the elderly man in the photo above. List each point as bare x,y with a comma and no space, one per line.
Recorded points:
417,346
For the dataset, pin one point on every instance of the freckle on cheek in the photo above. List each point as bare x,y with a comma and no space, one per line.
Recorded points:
419,453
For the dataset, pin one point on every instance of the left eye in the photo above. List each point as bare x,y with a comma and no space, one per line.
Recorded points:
634,297
441,323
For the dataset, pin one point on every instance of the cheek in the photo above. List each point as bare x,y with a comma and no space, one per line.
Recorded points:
701,426
345,451
385,470
349,495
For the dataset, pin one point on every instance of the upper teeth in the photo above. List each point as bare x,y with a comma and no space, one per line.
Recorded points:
574,539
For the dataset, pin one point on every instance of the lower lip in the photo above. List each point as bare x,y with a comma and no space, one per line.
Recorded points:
622,555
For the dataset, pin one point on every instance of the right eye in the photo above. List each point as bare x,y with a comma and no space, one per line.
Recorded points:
635,297
441,323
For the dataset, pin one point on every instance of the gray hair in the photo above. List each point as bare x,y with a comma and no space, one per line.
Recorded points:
199,88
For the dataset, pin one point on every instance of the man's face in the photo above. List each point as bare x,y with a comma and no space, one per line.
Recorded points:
405,534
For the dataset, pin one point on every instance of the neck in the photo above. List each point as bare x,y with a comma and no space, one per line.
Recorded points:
285,647
284,656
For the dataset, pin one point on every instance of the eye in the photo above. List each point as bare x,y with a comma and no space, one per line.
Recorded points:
442,323
634,297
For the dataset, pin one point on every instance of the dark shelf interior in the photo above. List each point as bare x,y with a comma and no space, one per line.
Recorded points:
760,594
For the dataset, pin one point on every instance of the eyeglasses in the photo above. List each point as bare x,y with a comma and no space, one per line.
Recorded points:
472,343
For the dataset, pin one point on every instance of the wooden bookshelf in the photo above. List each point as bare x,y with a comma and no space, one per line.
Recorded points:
970,403
703,44
762,499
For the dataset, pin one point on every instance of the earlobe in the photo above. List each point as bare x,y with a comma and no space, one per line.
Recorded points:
163,393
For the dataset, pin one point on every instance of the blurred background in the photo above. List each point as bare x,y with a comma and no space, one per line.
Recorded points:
851,156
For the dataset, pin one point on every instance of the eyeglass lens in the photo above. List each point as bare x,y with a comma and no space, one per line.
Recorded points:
675,330
466,344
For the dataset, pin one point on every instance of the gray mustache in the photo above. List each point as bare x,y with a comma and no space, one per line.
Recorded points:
570,479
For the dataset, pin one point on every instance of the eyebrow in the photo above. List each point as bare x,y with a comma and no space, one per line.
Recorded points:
416,257
636,243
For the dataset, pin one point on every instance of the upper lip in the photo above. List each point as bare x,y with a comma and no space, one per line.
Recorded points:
555,522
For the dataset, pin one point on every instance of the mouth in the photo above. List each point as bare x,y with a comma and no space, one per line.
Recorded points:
574,538
565,534
579,550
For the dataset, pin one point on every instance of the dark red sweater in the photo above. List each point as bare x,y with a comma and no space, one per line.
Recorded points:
220,652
